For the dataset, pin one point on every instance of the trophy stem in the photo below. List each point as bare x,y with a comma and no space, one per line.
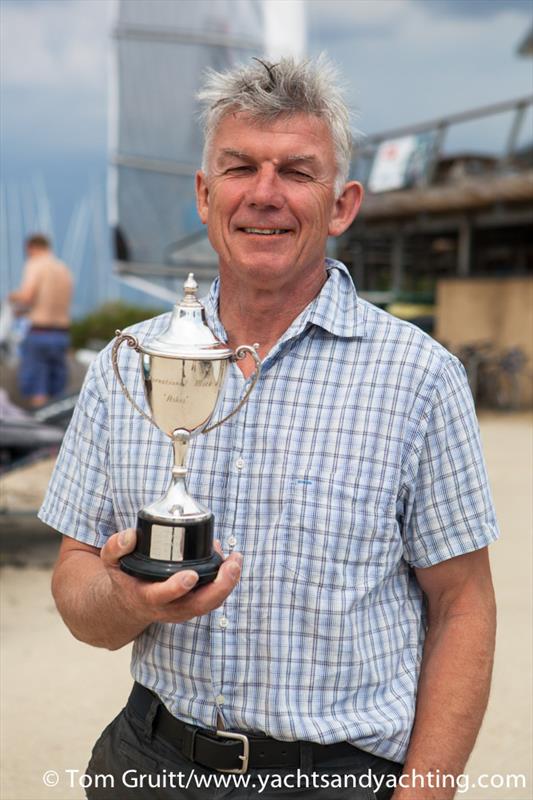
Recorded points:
180,443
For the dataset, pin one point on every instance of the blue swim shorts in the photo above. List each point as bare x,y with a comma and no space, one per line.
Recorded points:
43,363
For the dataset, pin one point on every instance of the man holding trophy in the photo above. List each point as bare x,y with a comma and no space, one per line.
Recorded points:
343,627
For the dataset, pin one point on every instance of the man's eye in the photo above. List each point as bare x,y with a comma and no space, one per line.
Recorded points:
299,175
241,169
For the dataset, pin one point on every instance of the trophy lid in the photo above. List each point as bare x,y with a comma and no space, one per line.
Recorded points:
188,335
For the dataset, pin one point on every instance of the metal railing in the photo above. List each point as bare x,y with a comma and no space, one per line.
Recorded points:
365,150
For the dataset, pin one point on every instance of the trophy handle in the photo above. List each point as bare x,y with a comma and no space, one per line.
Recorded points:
240,353
132,342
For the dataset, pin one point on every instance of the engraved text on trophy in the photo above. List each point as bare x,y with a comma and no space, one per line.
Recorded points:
182,393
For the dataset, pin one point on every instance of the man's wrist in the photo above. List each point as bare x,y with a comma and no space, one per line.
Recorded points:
126,597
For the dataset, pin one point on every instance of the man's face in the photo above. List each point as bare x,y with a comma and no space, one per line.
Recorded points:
268,200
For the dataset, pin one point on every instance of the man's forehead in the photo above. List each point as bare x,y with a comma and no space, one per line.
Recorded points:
297,124
296,137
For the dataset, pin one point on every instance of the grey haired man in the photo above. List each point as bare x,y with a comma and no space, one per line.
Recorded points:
347,643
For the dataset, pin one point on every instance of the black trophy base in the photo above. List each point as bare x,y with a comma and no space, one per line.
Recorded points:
187,546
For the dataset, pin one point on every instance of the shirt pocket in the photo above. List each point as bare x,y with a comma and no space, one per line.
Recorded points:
331,537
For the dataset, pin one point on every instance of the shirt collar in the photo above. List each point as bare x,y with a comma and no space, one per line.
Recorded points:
335,309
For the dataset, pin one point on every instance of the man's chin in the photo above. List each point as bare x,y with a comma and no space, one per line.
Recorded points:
263,270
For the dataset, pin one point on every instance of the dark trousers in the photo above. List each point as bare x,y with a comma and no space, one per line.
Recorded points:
130,763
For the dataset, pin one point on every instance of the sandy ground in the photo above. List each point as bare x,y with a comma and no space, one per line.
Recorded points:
19,488
58,694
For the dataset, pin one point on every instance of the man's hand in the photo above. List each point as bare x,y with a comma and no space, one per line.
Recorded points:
171,600
105,607
17,306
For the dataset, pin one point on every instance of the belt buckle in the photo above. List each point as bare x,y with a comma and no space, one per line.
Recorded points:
245,750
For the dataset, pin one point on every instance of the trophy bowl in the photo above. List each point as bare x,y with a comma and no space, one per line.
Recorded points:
183,373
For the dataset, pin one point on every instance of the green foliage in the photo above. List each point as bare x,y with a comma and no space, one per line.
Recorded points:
100,325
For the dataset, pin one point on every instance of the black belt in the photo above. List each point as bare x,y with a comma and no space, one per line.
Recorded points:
229,751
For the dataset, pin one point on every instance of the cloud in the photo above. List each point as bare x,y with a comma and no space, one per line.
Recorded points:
53,44
478,8
425,65
338,19
54,68
403,61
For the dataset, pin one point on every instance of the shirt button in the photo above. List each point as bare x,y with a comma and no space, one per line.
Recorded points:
219,699
223,622
239,463
232,541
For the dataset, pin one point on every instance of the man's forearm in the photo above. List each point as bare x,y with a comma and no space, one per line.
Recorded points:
93,612
20,298
452,696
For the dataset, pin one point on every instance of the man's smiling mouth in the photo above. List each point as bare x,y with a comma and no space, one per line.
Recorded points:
265,231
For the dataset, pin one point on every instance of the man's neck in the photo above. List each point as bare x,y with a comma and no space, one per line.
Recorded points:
253,314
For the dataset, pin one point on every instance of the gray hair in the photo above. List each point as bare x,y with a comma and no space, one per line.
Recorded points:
267,91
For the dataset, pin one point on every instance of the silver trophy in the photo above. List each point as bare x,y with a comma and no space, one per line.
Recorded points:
183,371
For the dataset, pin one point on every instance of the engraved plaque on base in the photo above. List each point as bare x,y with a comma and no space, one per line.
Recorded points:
166,544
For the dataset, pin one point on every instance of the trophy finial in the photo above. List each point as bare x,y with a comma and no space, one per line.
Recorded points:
190,284
190,288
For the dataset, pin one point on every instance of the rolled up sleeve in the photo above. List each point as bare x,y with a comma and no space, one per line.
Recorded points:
78,501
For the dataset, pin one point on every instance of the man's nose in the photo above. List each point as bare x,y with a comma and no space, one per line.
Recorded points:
265,189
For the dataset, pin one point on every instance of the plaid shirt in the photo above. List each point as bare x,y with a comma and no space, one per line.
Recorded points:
356,458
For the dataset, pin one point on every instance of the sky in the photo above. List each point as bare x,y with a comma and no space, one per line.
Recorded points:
403,61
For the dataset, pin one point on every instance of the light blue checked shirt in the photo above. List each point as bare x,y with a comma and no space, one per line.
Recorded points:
356,458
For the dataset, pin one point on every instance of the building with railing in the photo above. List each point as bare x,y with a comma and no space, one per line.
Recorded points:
445,239
429,215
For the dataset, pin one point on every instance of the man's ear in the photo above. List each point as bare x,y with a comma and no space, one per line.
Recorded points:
346,208
202,196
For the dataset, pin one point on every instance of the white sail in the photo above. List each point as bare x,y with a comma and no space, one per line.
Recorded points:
162,50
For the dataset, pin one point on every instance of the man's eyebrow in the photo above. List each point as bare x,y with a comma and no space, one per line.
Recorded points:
301,157
229,152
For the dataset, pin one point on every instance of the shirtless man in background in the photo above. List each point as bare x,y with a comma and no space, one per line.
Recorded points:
45,297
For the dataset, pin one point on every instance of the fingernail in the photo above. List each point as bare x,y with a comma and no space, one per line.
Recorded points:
189,579
124,538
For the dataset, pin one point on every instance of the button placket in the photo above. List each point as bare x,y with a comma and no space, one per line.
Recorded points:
224,644
235,518
220,626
